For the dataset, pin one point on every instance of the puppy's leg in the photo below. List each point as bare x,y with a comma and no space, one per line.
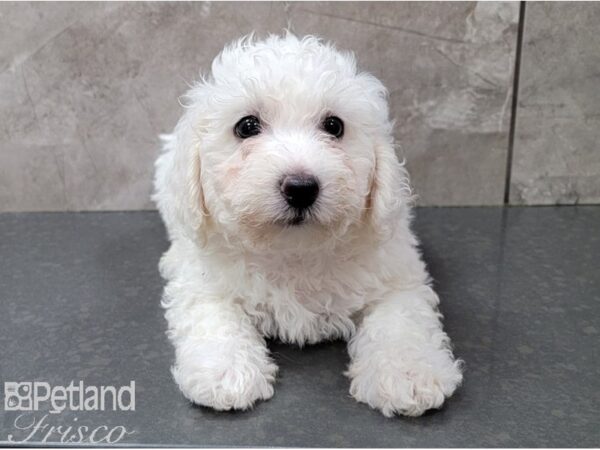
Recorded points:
400,357
221,360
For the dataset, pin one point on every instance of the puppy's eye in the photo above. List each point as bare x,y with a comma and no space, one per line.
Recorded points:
334,126
247,127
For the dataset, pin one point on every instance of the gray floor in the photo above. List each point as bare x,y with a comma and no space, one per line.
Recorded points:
520,288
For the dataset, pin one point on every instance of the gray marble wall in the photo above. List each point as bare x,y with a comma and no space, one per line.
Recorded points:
557,140
85,88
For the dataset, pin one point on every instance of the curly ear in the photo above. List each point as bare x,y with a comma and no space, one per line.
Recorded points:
390,194
178,185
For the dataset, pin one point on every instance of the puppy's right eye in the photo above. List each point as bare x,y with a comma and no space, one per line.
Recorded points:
247,127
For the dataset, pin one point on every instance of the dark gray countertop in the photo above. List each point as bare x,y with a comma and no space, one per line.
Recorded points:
520,289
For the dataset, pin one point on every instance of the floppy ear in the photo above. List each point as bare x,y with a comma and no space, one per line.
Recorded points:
178,185
390,194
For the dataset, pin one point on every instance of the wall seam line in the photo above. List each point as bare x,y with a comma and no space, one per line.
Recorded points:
514,106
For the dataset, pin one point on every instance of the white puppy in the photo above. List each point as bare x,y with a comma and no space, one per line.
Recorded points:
288,214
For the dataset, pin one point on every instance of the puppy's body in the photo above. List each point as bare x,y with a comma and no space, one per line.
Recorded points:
246,263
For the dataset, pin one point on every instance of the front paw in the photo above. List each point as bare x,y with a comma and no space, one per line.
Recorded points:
237,384
407,386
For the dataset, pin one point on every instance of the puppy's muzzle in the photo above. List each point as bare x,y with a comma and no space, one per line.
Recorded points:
300,191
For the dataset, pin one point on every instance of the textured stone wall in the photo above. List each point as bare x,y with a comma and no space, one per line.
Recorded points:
85,88
557,140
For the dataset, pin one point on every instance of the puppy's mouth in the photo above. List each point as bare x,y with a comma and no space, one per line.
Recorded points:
298,217
297,220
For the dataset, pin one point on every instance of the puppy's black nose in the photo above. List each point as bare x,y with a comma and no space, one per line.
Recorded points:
300,191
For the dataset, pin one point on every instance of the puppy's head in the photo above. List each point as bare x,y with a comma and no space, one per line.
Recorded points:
287,146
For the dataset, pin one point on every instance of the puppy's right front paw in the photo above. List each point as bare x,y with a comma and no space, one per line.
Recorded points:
235,386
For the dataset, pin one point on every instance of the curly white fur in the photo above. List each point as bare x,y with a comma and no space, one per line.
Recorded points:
237,272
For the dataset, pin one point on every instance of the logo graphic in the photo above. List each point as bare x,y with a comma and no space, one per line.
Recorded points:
40,395
40,405
18,396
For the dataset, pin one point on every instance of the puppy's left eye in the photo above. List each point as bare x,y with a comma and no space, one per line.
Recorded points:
247,127
334,126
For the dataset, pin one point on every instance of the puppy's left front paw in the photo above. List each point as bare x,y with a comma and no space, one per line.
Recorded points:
404,386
